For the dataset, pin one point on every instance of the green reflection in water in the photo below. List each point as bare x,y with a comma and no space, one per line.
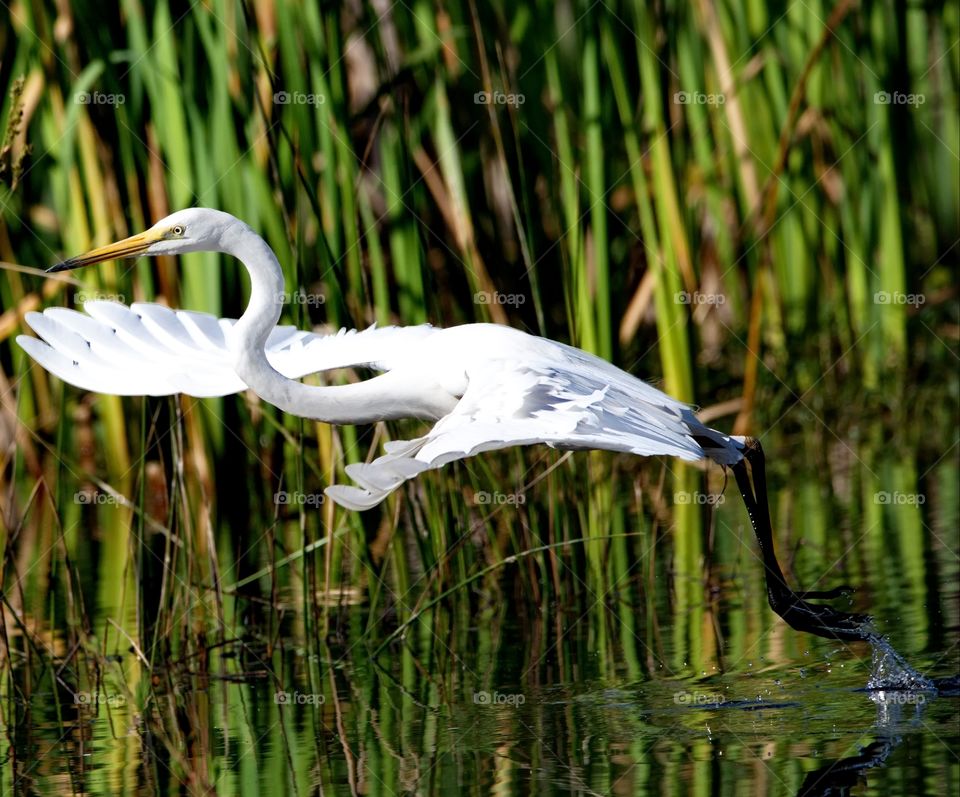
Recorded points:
641,664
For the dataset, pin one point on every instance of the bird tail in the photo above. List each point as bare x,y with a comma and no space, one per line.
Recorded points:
721,448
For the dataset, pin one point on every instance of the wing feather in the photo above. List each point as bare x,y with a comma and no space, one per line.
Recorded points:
149,349
569,400
519,390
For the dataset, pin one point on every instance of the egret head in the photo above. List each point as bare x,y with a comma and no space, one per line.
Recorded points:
190,230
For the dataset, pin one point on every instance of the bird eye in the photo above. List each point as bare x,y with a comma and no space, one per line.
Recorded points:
178,230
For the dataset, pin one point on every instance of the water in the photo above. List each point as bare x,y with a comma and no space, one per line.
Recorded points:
497,721
891,672
674,681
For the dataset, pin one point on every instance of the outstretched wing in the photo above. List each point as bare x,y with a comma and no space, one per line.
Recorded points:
572,400
149,349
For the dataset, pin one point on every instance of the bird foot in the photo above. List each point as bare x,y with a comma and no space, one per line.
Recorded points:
793,607
819,619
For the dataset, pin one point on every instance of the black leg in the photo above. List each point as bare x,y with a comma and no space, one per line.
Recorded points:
816,619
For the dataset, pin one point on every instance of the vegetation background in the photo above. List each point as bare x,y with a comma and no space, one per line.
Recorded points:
754,205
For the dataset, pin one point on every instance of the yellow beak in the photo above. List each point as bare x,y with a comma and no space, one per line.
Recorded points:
134,246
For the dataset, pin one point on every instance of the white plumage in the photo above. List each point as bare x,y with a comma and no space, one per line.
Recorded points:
487,386
150,350
512,388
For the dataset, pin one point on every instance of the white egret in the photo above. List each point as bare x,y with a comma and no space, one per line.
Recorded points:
487,386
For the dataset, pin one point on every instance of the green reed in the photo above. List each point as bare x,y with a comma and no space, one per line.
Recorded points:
659,156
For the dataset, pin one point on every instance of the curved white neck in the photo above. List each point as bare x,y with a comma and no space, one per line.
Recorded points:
390,396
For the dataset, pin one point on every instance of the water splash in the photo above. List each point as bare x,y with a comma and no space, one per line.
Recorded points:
890,670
